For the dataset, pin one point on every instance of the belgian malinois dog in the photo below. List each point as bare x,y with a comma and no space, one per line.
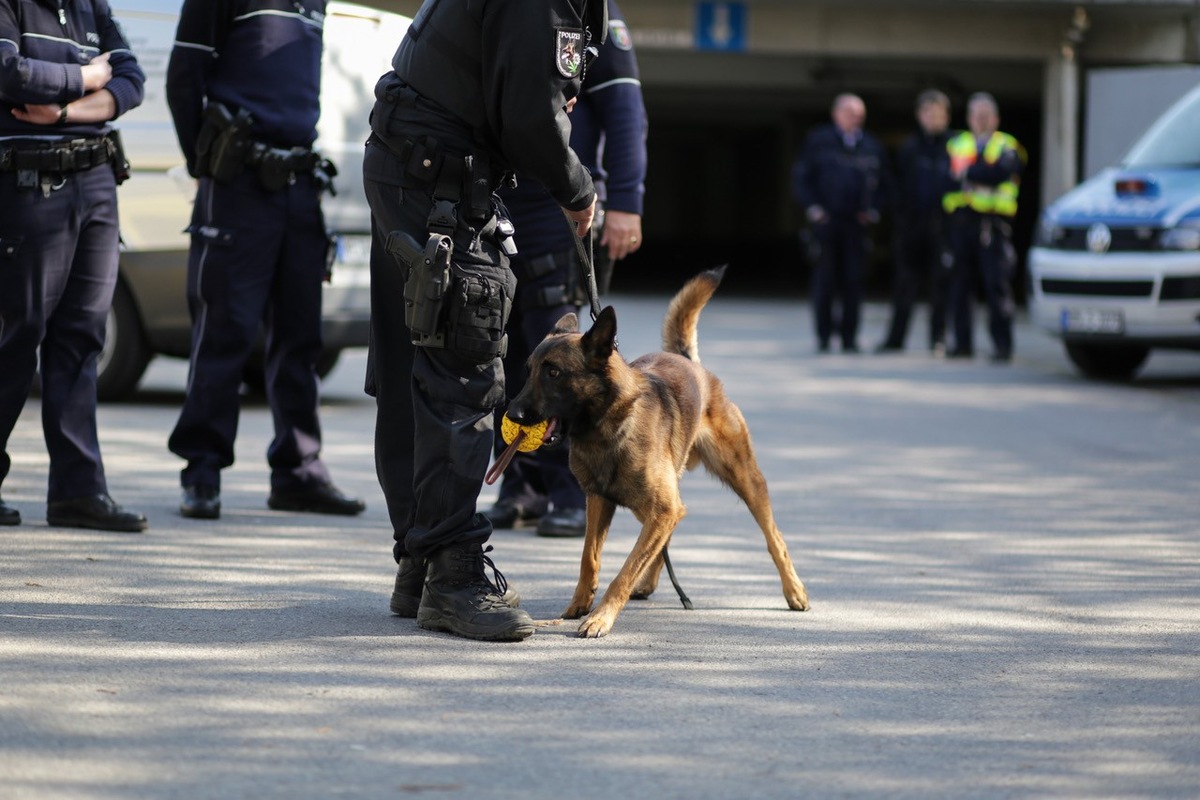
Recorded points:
634,428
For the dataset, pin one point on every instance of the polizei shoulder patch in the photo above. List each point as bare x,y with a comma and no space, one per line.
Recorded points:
569,52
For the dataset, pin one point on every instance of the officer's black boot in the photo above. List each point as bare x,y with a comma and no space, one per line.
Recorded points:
410,583
459,598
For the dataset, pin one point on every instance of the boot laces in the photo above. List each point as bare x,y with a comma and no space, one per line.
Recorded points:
478,563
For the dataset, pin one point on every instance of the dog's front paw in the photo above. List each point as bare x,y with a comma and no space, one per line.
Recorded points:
577,608
595,626
798,600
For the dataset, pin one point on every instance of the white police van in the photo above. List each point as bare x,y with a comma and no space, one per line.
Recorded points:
1115,267
150,315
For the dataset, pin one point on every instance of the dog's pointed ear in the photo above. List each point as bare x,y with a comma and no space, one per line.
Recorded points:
601,339
568,323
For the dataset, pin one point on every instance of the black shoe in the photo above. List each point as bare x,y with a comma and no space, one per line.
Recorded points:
822,347
563,523
9,515
508,514
888,347
1002,357
410,582
459,599
850,348
98,512
201,502
956,353
320,498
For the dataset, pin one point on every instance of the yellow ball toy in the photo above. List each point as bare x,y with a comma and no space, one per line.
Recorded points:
534,434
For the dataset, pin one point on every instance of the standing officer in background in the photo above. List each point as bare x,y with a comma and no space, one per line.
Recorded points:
987,166
838,181
477,90
923,168
608,132
65,72
243,85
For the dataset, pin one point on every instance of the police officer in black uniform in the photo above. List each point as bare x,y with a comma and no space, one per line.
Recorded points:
608,132
243,85
921,255
477,90
65,72
838,181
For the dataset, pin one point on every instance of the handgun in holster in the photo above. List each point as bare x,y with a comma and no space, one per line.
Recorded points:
427,287
223,144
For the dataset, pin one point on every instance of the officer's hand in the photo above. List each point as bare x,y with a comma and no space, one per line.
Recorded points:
582,219
38,115
97,73
622,233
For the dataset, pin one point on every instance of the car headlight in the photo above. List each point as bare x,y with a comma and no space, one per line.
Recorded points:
1184,236
1048,234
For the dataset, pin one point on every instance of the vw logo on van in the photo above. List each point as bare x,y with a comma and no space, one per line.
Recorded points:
1099,238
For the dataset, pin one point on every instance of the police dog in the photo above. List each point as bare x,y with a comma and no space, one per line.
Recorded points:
634,428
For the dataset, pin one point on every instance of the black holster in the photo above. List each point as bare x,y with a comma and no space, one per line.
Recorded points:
426,284
223,145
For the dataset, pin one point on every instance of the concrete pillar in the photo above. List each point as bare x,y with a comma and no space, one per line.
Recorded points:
1060,134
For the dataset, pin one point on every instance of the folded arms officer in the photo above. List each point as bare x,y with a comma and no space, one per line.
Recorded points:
477,90
65,72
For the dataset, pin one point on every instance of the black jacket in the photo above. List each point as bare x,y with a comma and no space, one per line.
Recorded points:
843,180
923,177
42,58
263,56
504,70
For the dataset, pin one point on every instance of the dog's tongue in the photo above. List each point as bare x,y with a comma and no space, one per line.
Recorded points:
506,457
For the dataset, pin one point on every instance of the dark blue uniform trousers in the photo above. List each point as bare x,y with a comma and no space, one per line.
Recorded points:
983,251
58,267
434,408
839,271
532,478
257,259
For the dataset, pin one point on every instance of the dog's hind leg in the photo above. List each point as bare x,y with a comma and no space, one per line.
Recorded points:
728,454
599,519
647,582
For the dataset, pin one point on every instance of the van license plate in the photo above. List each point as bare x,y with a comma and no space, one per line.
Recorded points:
1093,320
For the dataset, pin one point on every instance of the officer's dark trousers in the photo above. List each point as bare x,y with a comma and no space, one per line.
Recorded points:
839,272
434,407
58,267
257,259
532,478
918,259
983,251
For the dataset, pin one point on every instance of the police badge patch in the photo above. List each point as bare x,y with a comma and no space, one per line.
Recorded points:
569,53
620,34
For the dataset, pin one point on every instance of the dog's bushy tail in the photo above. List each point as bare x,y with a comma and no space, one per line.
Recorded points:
679,327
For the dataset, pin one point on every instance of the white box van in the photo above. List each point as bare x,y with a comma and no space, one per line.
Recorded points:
150,315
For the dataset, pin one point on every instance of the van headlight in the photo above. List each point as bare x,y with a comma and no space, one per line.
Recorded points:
1184,236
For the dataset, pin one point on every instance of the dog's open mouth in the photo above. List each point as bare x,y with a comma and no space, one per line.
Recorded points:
551,435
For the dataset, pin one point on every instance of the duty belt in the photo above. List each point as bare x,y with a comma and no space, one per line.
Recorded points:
298,159
75,155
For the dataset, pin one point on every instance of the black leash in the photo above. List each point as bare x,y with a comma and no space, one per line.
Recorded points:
589,277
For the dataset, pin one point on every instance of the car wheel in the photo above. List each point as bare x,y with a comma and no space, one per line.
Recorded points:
123,359
1107,362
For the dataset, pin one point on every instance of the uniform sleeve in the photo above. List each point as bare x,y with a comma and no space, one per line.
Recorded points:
28,80
527,95
614,90
128,81
1010,165
203,30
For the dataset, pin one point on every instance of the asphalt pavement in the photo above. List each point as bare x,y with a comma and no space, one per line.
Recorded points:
1003,564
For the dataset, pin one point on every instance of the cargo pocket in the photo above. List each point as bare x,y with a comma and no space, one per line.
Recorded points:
209,234
478,311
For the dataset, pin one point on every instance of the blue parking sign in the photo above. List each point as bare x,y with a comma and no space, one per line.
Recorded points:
721,26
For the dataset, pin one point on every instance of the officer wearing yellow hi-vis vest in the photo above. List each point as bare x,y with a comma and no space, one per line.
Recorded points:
987,166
